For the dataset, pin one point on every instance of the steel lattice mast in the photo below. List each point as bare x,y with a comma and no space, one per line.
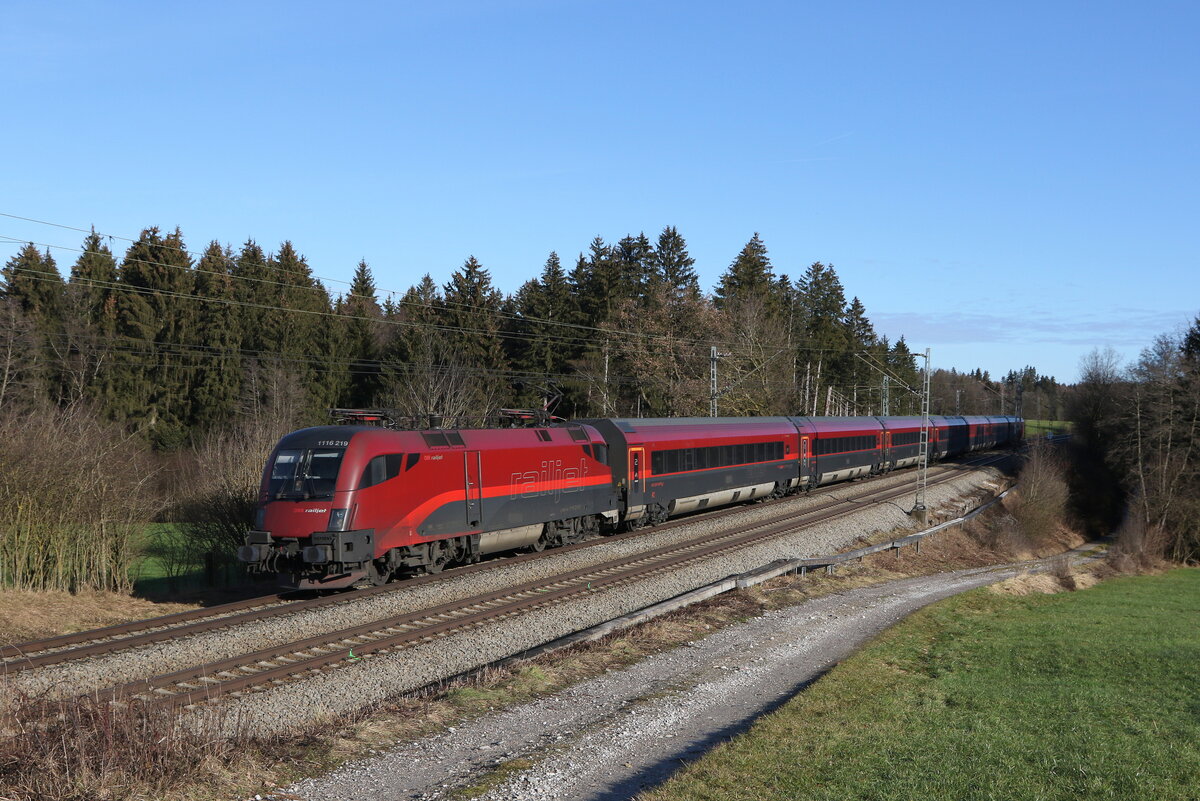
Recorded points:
923,455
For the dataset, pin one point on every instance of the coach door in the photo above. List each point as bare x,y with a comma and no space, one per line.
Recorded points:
804,474
472,474
637,479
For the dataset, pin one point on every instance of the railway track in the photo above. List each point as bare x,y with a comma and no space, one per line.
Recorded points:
98,642
273,667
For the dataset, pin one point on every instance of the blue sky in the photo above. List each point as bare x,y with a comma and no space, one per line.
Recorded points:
1006,183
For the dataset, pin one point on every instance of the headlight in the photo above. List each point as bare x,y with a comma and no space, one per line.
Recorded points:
337,520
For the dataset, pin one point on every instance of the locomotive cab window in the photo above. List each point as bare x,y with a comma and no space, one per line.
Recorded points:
304,474
380,469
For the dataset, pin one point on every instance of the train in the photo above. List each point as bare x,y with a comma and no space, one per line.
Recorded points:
361,504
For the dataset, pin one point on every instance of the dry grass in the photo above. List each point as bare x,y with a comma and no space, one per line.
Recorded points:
1050,583
29,615
1138,548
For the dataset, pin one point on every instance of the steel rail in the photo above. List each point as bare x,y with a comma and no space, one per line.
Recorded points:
97,642
301,658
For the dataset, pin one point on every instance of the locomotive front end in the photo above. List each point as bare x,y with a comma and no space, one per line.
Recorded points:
302,523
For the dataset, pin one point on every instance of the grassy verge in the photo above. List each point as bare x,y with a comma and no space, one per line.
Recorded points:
1036,428
1076,695
27,615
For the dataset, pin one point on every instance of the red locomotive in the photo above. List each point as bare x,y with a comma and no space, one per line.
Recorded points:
346,504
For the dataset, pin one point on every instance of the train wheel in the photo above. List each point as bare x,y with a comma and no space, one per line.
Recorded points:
539,545
377,576
439,555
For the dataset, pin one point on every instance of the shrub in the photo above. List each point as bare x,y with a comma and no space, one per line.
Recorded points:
75,496
1040,503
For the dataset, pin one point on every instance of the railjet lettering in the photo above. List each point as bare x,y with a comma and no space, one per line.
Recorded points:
553,478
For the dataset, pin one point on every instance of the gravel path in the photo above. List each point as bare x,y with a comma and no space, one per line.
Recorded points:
616,735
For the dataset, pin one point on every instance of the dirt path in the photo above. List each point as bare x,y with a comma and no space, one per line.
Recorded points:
613,736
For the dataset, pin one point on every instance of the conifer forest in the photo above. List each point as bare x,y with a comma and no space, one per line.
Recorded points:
182,368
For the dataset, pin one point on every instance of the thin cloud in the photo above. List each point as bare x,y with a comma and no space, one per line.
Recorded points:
1116,327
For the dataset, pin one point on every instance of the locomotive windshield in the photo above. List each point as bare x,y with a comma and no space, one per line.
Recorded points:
308,474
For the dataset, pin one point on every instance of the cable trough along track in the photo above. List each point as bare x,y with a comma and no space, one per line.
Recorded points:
297,660
98,642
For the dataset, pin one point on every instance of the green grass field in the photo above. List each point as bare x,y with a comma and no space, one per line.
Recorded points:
167,566
1086,695
1035,428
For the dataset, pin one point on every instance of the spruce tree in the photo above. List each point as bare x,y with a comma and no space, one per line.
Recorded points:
753,303
542,345
217,382
31,278
303,328
257,291
92,284
90,321
364,338
32,287
150,380
1190,346
634,267
824,303
861,339
596,281
749,276
674,264
473,314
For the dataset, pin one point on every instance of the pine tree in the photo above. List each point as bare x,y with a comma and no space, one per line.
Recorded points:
861,340
635,267
674,264
92,284
257,291
150,382
541,345
34,294
217,382
364,338
596,284
904,366
750,275
302,330
753,304
31,278
1190,346
824,303
473,314
90,321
